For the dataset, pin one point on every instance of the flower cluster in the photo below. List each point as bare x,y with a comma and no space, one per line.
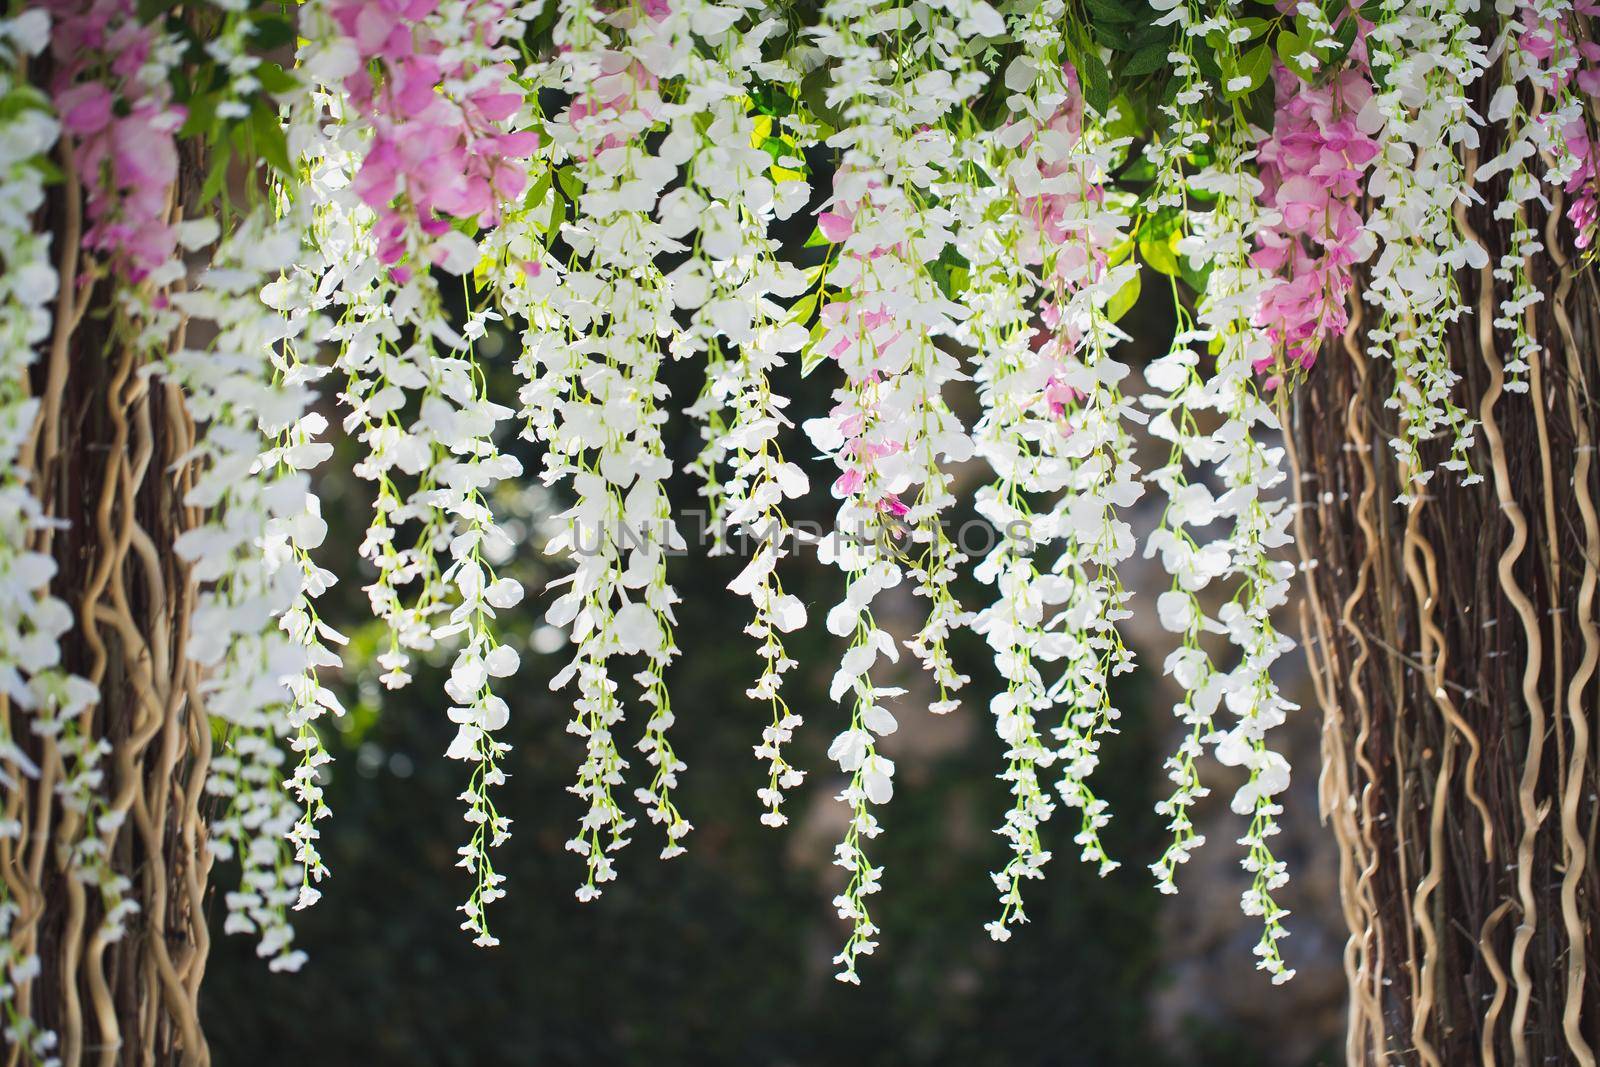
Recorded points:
592,356
1431,56
744,171
31,620
1545,51
432,80
296,446
891,431
1014,436
399,96
1312,171
1538,56
1053,427
1078,232
1221,243
114,97
614,200
252,494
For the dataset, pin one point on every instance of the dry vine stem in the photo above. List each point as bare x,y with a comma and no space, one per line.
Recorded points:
1456,645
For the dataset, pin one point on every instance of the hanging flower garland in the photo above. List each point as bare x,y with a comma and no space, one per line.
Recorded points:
427,108
745,171
1312,170
891,430
598,401
610,178
32,621
234,392
1178,392
1432,57
1540,57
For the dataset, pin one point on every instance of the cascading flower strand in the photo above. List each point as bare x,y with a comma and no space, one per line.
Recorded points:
730,284
1312,170
32,621
1079,232
596,400
236,394
891,430
1178,394
1540,59
427,105
113,95
1014,436
1249,470
1059,431
1432,58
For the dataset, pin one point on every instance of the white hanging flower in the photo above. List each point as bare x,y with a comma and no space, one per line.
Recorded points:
1249,469
248,553
378,224
731,282
592,349
1052,427
1432,58
891,431
41,693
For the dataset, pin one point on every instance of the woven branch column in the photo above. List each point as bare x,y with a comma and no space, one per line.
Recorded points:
1454,645
108,458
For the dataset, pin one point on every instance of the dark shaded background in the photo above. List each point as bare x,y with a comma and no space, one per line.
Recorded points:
722,956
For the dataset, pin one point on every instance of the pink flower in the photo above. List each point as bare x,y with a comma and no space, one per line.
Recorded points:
1058,394
433,158
836,226
85,109
1312,170
893,505
127,162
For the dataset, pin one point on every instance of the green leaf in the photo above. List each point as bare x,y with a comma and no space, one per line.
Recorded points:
1206,60
1194,279
1160,251
1096,85
1256,65
813,356
1150,58
1113,37
1150,33
558,215
202,117
1257,27
47,167
1123,299
569,183
217,176
1133,118
272,32
803,309
1290,48
1260,108
816,240
538,191
1138,169
274,79
814,91
776,149
1110,11
271,142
